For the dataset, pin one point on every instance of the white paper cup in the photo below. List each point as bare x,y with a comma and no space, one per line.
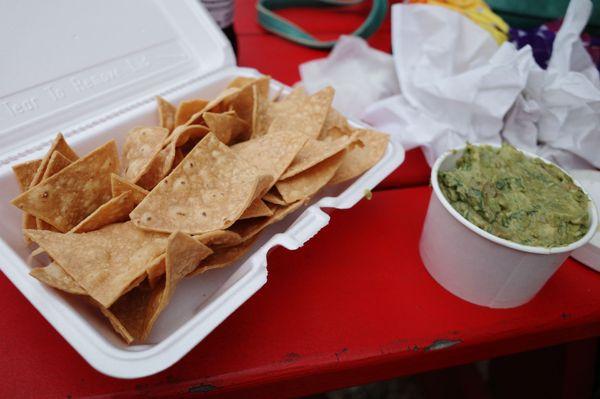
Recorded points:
478,266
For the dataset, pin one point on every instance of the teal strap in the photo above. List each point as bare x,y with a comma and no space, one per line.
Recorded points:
284,28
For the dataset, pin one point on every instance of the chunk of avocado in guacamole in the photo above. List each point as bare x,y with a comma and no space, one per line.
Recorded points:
517,198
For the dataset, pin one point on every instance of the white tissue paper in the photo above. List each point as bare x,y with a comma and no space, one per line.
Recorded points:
457,85
360,75
558,113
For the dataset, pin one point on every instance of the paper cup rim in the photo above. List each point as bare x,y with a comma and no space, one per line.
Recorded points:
501,241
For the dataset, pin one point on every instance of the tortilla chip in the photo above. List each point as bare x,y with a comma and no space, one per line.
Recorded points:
59,144
141,146
116,210
219,104
208,191
24,172
310,181
187,108
69,196
363,156
164,160
159,167
298,93
227,126
182,134
156,270
104,262
223,257
119,185
54,276
313,152
166,113
305,116
260,117
256,209
138,310
335,125
243,102
270,112
251,227
57,163
272,153
273,197
179,155
219,238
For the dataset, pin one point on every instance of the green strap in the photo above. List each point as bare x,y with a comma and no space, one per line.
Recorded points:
284,28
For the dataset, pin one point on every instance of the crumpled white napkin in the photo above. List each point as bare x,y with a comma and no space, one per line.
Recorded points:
457,85
360,75
558,113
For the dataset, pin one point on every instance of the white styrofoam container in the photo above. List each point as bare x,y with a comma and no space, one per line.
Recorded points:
91,70
478,266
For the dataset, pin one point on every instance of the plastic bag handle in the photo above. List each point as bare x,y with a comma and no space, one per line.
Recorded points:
288,30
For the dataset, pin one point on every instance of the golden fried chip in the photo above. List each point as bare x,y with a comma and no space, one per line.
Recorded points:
54,276
187,108
156,270
272,153
104,262
335,125
273,197
166,113
313,152
227,126
256,209
221,103
249,228
219,238
310,181
139,150
164,161
56,163
159,167
68,197
223,257
306,117
24,172
361,156
116,210
119,185
287,105
182,134
59,144
179,155
138,310
208,191
243,102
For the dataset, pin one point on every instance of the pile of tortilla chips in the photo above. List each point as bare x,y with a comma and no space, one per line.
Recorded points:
185,197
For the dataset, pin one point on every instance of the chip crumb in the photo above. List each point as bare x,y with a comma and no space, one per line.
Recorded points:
368,194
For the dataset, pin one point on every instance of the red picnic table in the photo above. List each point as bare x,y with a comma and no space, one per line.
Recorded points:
354,305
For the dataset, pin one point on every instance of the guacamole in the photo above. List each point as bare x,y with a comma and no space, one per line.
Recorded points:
517,198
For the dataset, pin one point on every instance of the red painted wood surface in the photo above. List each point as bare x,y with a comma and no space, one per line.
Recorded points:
353,305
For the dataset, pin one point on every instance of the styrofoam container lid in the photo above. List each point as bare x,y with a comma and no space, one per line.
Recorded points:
68,60
91,70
